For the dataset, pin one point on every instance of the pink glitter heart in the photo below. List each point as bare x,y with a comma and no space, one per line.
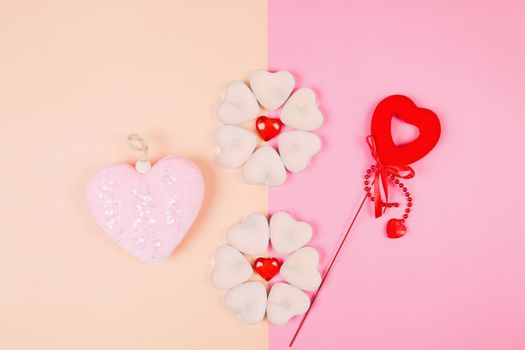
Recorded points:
147,214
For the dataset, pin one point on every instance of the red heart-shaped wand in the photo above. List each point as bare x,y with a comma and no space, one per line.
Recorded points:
403,108
392,164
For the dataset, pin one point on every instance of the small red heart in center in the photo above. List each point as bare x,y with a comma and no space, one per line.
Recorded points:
267,127
267,267
395,228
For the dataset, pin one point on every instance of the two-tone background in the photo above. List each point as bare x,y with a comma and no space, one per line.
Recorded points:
76,77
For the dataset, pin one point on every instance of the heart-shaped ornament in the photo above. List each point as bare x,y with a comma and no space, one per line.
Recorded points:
301,111
264,167
403,108
271,89
287,234
236,145
267,268
239,104
250,236
296,148
284,302
248,300
268,128
300,269
231,268
147,214
395,228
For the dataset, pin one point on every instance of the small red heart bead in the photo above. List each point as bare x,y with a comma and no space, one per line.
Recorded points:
267,267
395,228
267,127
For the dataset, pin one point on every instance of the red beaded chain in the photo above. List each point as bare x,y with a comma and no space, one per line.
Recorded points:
368,188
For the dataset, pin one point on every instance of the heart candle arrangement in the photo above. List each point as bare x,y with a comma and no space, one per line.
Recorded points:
298,110
233,270
391,165
146,210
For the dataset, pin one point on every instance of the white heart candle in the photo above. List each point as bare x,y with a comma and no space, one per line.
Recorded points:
272,89
284,302
250,236
264,167
288,234
300,269
296,148
248,300
239,104
301,111
236,145
231,268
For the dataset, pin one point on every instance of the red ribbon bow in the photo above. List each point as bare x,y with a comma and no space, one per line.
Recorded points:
381,174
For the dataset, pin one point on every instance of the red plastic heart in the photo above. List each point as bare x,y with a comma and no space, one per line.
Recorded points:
395,228
267,127
403,108
267,267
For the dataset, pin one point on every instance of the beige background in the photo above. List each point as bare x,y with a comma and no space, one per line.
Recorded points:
75,79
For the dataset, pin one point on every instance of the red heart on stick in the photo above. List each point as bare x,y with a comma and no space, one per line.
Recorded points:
267,267
267,127
403,108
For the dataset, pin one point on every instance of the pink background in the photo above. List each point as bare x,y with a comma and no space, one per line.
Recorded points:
457,280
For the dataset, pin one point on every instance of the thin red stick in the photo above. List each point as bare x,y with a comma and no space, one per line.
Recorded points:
328,271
